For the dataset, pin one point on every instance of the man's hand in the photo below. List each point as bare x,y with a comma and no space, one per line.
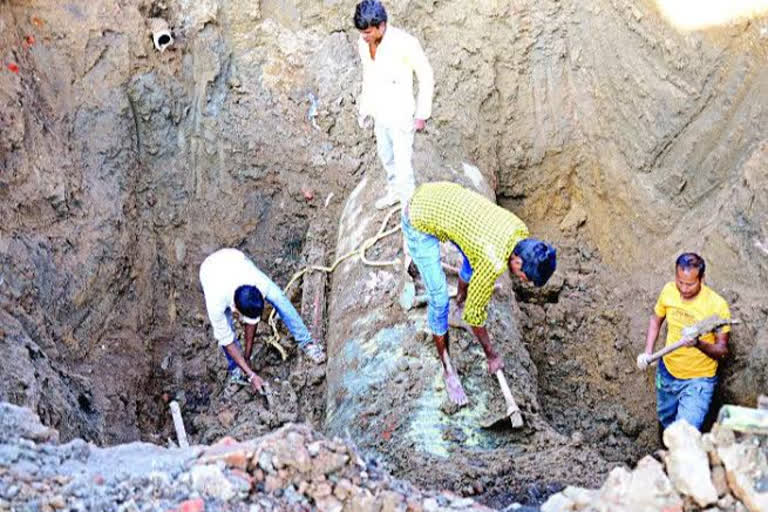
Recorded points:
643,360
256,383
690,342
419,124
495,363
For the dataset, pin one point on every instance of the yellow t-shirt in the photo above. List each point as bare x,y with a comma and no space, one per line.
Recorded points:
485,232
689,362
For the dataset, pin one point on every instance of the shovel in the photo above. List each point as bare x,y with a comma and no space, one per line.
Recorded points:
513,411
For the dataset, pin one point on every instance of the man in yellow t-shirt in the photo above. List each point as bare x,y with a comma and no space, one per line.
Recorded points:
491,239
686,378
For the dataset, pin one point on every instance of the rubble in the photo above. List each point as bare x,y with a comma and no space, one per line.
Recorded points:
719,471
291,469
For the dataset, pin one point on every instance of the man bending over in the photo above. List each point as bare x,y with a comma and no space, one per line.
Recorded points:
231,282
491,240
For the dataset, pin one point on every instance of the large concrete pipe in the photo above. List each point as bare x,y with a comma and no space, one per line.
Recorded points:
385,387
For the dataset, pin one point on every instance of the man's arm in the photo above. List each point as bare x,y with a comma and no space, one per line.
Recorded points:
364,101
237,356
654,326
426,79
461,292
250,332
494,361
716,350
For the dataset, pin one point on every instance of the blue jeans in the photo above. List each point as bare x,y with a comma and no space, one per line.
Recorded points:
686,399
425,251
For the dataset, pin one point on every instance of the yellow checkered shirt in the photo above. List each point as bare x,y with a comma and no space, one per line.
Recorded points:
485,232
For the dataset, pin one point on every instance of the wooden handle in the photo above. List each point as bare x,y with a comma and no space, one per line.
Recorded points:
513,411
666,350
681,342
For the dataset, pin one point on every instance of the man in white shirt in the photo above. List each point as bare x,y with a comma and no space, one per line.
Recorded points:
231,282
390,57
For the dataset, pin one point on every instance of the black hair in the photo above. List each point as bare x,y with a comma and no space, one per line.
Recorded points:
689,260
369,13
539,259
249,301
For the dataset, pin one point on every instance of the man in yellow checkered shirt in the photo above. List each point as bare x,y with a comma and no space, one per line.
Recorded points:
686,378
491,239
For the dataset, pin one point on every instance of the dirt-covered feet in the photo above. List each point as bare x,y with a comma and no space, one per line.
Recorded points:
315,352
454,389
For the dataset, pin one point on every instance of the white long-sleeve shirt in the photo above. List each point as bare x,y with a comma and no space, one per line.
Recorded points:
221,274
388,79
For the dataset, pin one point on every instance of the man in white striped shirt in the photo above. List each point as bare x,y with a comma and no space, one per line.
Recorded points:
390,57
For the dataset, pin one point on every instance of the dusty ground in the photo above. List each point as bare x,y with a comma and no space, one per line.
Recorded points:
611,132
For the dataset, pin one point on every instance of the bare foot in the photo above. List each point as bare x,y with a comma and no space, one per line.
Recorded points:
454,389
495,363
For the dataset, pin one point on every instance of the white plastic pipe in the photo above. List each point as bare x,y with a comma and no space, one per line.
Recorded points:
161,34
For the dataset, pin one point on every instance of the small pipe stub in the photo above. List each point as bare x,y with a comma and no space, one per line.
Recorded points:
161,34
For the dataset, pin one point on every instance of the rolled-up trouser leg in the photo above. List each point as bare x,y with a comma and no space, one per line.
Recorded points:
425,251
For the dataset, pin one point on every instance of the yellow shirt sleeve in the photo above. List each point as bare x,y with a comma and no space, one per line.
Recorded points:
478,296
660,309
724,312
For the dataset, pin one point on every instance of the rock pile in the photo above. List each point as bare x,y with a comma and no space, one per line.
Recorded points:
717,471
290,469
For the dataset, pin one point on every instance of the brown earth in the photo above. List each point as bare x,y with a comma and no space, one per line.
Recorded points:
616,135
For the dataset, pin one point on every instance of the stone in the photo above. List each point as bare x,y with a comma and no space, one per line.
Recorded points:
320,490
744,465
210,480
645,489
295,454
575,218
390,501
231,452
430,505
329,504
343,489
557,503
328,462
194,505
579,496
57,502
688,464
264,461
362,501
273,483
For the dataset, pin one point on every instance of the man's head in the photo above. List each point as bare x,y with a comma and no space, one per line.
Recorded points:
689,273
533,260
371,20
250,303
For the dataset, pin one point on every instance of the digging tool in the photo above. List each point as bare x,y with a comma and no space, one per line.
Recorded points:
706,326
513,411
